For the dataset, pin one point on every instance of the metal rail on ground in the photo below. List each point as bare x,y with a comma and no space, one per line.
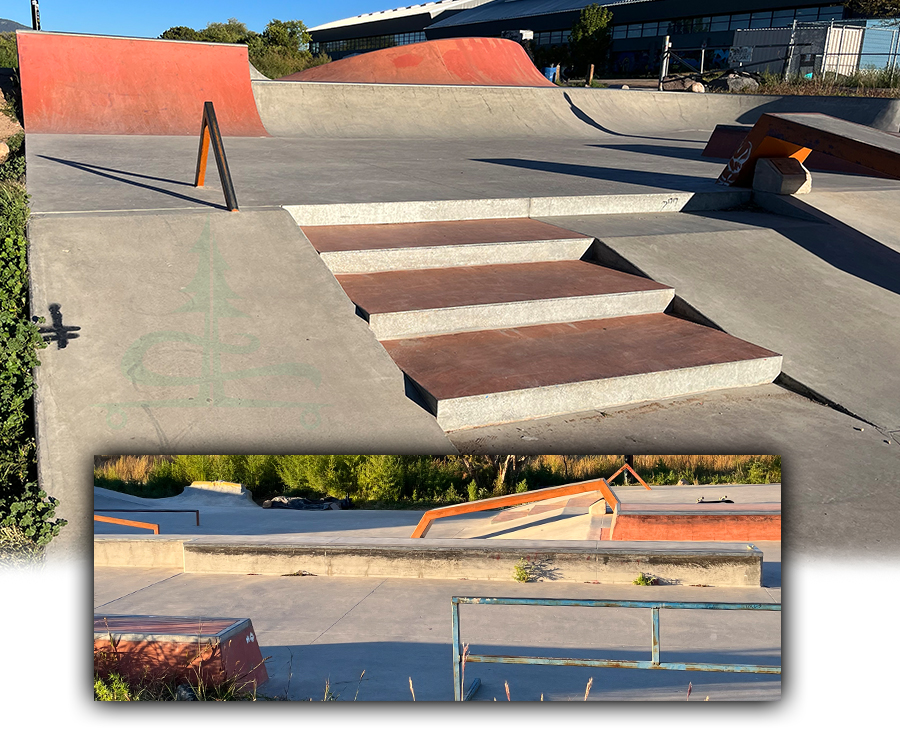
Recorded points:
533,496
209,133
156,510
154,527
461,655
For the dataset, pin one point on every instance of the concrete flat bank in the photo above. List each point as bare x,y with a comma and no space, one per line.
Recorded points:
708,564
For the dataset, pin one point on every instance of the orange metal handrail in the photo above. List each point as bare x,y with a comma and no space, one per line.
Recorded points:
154,527
521,498
633,472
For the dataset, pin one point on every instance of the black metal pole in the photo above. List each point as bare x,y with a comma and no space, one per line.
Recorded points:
35,15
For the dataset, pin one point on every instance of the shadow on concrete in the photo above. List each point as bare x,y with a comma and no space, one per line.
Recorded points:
588,120
771,575
301,671
611,174
106,172
671,152
850,251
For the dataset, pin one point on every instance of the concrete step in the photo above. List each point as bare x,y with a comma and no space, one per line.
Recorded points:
505,375
366,248
426,302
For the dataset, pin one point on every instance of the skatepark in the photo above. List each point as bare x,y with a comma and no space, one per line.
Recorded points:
328,595
426,268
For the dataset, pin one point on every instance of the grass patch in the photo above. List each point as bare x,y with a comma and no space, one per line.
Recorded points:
877,83
115,687
414,482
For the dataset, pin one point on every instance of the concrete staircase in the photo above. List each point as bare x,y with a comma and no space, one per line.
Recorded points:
500,320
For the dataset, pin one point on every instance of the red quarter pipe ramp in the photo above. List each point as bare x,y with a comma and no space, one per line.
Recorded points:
453,62
73,83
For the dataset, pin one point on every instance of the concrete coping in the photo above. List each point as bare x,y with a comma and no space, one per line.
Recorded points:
526,546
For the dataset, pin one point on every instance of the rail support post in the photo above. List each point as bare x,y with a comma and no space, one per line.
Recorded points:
210,134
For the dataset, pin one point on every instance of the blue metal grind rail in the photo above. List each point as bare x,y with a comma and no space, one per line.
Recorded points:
460,658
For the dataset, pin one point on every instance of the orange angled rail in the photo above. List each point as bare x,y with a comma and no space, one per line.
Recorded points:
521,498
154,527
633,473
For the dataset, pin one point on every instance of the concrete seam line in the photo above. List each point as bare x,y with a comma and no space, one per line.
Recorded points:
130,593
348,612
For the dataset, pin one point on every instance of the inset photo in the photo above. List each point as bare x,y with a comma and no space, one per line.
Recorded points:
437,578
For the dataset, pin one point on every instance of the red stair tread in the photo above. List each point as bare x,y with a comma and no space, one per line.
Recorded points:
395,291
509,359
338,238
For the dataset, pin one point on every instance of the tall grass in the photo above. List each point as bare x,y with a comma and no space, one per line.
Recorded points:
387,481
868,82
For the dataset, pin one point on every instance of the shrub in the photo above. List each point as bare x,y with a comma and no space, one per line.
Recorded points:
9,57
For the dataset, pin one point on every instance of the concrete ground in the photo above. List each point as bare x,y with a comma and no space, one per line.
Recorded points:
90,173
316,630
115,236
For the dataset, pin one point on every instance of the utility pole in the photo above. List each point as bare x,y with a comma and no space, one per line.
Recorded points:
35,15
664,63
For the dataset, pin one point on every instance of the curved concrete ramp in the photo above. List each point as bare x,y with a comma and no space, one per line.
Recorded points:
74,83
360,110
457,62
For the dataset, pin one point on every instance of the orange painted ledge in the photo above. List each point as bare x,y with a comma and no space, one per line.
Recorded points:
797,135
213,650
696,528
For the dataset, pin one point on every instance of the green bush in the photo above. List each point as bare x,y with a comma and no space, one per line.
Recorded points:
23,506
9,57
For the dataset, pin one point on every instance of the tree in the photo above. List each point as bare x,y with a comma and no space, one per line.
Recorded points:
282,49
875,8
591,37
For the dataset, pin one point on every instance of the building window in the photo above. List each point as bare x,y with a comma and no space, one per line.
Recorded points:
720,23
761,20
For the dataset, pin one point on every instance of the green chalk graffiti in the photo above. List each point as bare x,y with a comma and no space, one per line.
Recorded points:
210,295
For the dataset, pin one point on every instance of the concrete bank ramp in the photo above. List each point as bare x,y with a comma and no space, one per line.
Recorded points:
341,110
78,83
477,61
197,336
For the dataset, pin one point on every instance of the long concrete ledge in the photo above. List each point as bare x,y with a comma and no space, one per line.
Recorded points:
401,212
709,564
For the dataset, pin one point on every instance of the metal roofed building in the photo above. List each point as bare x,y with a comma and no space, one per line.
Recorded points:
639,26
381,29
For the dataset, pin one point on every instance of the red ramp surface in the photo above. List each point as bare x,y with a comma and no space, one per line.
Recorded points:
454,62
73,83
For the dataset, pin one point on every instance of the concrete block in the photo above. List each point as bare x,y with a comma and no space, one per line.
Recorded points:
782,176
132,552
213,650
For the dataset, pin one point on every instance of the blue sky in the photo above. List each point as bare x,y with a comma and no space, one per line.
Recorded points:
150,19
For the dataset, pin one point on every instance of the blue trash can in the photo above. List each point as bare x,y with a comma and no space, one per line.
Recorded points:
550,73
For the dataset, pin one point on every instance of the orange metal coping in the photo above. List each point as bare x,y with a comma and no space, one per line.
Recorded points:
522,498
